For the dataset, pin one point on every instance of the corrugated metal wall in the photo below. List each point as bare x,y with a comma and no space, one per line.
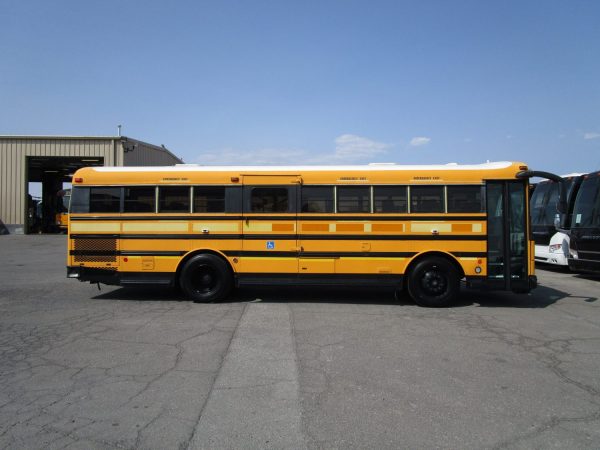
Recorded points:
14,151
144,154
13,166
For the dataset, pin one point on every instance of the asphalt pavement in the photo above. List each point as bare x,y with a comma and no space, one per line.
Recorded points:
291,368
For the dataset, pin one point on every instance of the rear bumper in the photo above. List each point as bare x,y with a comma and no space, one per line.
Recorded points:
114,278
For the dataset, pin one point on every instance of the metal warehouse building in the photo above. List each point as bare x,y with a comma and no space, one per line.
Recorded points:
51,160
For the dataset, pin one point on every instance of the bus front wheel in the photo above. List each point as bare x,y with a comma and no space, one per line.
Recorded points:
206,278
434,282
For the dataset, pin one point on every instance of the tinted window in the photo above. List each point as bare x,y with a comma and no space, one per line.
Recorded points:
587,205
464,199
317,199
426,199
140,199
105,200
538,202
209,199
353,199
80,200
390,199
269,200
174,199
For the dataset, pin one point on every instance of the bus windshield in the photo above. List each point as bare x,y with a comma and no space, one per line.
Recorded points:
587,207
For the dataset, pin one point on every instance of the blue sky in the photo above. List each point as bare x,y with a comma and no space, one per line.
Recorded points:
288,82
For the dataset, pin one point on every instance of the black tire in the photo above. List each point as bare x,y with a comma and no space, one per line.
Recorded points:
206,278
434,282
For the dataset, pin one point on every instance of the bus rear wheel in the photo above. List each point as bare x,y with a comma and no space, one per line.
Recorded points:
206,278
433,282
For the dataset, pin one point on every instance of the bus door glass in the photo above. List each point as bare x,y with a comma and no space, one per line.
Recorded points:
507,234
269,242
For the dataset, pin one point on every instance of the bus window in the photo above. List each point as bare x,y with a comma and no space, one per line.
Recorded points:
105,200
317,199
140,199
353,199
587,205
209,199
464,199
390,199
80,200
427,199
266,200
538,203
174,199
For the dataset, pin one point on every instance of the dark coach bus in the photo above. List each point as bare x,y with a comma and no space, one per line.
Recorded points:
585,227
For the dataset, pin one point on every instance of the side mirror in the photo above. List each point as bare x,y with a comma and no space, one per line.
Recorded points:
557,221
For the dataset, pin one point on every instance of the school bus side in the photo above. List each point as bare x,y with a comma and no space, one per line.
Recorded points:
207,230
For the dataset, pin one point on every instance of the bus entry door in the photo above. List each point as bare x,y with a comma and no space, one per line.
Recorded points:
507,252
270,238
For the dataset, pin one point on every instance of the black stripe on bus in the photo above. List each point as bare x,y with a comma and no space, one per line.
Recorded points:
332,218
265,253
292,237
125,253
294,254
469,254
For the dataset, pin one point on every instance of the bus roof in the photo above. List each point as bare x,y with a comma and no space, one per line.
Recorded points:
191,173
368,167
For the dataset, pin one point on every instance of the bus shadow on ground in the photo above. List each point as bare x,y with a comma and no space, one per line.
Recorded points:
542,297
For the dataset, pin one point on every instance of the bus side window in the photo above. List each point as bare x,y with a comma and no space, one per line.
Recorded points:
105,200
353,199
269,200
209,199
317,199
173,199
464,199
140,199
80,200
390,199
427,199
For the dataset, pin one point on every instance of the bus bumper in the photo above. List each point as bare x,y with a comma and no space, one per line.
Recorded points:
112,277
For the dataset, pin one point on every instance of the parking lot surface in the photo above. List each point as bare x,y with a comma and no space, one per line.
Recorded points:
291,368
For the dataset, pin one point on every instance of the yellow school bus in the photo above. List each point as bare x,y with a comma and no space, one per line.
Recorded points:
208,229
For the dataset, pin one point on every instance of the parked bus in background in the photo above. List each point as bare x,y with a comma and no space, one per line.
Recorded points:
62,209
552,246
209,229
585,227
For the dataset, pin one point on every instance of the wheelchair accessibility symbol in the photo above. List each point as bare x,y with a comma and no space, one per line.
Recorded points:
270,245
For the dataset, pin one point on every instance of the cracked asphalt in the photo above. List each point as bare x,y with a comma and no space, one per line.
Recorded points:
291,368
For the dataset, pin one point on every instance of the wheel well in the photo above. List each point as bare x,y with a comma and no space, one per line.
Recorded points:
193,253
446,256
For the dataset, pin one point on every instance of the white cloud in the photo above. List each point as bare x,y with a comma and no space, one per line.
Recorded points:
350,148
419,141
264,156
591,135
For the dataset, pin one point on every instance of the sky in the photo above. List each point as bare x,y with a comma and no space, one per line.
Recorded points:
312,82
